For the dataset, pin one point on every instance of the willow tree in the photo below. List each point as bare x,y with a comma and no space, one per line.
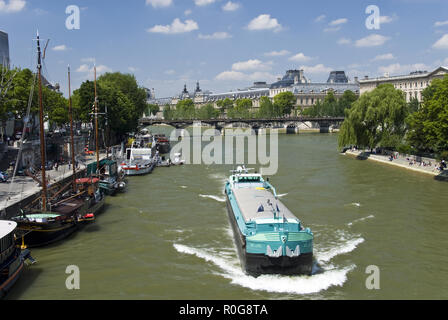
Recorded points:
376,119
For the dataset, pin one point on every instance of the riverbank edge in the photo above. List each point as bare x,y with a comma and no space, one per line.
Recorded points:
380,159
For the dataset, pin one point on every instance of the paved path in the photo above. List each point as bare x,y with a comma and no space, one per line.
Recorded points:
23,187
403,163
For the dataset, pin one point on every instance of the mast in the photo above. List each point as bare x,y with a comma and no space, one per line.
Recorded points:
42,132
96,128
72,141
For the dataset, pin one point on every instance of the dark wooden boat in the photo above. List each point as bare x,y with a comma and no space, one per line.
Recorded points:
11,257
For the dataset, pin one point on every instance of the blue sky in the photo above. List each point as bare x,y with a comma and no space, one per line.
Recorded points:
226,44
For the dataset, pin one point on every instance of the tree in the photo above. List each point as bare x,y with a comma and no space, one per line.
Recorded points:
168,114
266,110
284,103
413,105
377,119
207,112
185,109
120,93
241,109
428,127
152,109
225,105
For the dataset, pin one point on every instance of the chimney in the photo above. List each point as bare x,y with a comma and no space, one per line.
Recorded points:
356,80
366,77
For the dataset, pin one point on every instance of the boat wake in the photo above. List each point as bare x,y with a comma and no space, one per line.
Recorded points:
328,275
216,198
360,220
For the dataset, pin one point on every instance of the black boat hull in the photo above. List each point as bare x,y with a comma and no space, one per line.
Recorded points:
14,269
258,264
163,148
38,235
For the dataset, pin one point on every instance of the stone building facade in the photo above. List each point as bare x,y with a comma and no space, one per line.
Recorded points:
412,84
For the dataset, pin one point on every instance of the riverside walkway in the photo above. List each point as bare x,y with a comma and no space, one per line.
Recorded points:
25,187
406,162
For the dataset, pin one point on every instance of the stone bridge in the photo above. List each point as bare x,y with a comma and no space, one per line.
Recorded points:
291,124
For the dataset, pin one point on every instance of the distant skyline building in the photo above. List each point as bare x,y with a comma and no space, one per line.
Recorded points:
411,84
306,92
4,49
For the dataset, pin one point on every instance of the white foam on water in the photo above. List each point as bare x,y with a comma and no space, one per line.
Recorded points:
346,247
219,199
270,283
356,204
183,187
360,220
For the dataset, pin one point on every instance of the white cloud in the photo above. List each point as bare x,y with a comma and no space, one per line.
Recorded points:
373,40
240,76
231,6
159,3
277,53
442,43
317,69
264,22
61,47
381,57
300,57
344,41
132,69
253,64
338,22
176,26
12,6
188,12
215,36
89,70
320,18
441,23
387,19
201,3
170,72
397,68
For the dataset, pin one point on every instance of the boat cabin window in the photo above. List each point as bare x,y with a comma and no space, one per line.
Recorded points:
113,169
128,154
248,179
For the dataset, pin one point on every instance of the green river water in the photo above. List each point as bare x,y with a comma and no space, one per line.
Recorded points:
168,236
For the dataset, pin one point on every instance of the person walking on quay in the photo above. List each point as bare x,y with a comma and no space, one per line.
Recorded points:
56,165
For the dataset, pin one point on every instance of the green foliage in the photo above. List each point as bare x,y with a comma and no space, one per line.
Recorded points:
168,114
207,112
15,102
284,103
428,127
331,106
185,109
413,105
241,109
124,99
152,109
225,105
266,109
377,119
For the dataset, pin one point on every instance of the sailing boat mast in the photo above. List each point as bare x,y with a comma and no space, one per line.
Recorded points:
42,132
96,128
72,142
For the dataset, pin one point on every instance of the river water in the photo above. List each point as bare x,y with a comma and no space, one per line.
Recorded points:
168,236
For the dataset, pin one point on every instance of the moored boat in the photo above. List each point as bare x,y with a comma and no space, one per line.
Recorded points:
139,161
12,258
269,237
162,143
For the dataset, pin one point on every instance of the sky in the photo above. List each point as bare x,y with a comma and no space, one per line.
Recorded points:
225,45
